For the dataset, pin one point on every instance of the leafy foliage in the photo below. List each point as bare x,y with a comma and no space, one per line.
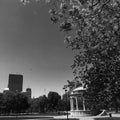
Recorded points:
52,103
11,102
43,103
92,30
20,102
53,98
34,105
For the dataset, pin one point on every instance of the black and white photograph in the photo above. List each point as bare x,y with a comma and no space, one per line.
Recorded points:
59,59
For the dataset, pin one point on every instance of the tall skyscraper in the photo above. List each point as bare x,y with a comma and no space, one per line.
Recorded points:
15,83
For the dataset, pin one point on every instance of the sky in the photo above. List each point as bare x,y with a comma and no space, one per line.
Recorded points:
30,45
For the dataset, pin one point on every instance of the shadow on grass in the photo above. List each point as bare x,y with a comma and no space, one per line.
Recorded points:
108,118
25,118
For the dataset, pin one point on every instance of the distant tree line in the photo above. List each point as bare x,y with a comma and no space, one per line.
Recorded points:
11,102
14,103
51,103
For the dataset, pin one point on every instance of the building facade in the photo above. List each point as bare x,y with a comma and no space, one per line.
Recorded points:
28,92
15,83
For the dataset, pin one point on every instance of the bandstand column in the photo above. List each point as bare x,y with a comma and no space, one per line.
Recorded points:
83,104
71,103
76,103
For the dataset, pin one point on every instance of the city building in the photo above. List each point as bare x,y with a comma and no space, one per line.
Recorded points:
28,92
15,83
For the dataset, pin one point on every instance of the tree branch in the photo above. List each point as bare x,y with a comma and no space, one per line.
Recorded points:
104,5
93,5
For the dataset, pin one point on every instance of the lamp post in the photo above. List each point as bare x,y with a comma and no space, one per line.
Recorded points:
66,100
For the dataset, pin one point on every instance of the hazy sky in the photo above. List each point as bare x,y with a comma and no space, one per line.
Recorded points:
32,46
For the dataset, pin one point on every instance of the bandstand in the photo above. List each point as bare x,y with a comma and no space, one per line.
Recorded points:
77,103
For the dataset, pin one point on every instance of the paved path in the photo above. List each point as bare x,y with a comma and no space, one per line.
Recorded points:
62,117
90,117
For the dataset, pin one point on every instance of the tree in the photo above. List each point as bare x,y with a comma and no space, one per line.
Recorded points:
60,106
11,102
104,85
43,103
1,103
92,30
20,102
66,100
35,105
39,104
53,98
8,102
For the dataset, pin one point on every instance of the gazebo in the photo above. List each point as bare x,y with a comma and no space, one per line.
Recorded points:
77,102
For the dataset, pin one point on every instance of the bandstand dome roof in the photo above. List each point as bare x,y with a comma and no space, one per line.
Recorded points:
78,91
81,88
